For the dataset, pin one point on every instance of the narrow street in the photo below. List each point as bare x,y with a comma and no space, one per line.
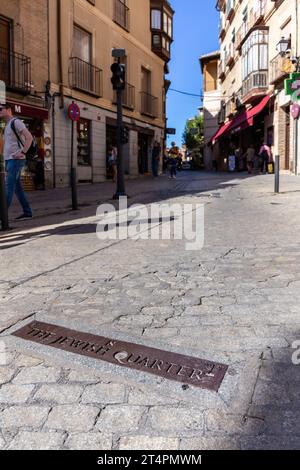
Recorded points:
236,301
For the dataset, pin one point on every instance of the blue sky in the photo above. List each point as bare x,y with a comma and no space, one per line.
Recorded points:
195,34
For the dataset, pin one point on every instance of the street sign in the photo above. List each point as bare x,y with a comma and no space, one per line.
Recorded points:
167,365
292,84
171,131
74,112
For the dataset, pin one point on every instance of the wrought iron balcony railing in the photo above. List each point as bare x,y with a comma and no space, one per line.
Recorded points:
149,105
255,84
121,14
15,71
128,96
280,68
85,77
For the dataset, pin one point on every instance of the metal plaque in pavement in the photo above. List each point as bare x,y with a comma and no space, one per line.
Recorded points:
186,369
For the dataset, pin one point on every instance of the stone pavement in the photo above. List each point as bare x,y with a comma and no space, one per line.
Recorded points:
236,301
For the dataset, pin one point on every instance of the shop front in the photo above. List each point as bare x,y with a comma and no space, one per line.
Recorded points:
248,128
38,169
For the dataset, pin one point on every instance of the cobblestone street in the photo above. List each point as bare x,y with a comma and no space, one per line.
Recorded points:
236,301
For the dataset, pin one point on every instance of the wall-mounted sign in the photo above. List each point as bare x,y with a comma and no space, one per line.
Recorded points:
171,131
295,110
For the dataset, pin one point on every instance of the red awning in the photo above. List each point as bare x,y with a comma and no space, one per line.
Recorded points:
220,132
242,121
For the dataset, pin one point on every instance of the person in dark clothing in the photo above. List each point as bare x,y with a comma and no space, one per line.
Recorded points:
155,158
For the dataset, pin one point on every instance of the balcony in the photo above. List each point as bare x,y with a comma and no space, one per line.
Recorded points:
229,60
161,45
241,34
280,68
229,10
254,85
230,108
257,13
121,14
128,97
222,30
149,105
85,77
15,71
221,70
220,4
255,18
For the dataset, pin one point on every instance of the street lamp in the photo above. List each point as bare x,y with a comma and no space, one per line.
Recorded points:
283,46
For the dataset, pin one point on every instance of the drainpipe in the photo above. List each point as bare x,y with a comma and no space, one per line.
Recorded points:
296,125
59,50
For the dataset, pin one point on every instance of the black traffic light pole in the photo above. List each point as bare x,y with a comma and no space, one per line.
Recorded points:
120,164
118,81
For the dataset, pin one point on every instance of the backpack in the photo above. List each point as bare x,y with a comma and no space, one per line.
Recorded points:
32,152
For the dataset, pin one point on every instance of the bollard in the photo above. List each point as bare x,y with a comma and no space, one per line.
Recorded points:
277,174
3,203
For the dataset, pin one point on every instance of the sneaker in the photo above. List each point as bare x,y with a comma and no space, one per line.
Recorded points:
24,217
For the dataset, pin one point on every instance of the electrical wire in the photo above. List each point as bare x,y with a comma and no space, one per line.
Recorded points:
185,93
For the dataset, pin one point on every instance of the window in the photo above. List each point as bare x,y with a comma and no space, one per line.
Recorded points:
167,24
83,142
5,33
156,19
146,80
255,53
82,44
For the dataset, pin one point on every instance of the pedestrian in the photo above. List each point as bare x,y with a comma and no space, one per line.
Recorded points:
113,161
165,162
250,154
265,157
14,152
173,155
179,162
156,151
239,158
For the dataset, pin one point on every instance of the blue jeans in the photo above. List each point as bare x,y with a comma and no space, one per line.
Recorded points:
13,184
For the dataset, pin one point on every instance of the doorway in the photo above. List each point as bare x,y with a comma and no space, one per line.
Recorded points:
143,144
287,139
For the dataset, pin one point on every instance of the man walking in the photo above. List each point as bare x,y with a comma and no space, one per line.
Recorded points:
265,157
15,158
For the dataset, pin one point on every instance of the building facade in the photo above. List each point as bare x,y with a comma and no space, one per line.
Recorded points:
211,104
254,105
24,73
82,36
56,52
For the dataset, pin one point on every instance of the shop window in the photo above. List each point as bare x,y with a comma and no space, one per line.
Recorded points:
83,142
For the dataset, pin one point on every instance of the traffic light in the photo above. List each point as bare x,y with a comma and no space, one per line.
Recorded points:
119,76
125,135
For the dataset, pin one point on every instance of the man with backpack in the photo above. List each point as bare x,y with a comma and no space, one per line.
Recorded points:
17,142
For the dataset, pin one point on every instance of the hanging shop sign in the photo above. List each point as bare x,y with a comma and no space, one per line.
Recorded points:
292,84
